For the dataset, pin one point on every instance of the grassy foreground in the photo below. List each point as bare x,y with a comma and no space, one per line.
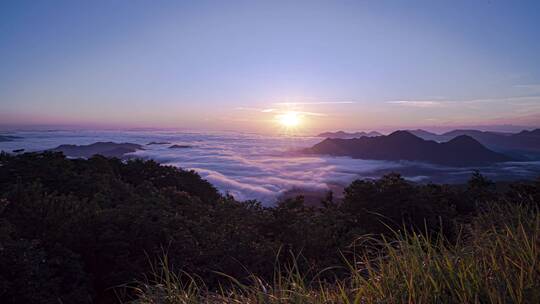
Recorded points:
495,259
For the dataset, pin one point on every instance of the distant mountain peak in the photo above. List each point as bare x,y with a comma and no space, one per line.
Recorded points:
464,139
403,145
374,133
343,134
401,133
404,135
421,131
535,132
107,149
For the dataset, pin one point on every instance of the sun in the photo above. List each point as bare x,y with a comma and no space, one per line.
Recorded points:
289,119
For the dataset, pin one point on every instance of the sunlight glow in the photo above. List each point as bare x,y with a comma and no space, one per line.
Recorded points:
289,119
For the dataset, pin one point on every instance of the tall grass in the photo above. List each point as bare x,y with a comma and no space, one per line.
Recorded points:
496,259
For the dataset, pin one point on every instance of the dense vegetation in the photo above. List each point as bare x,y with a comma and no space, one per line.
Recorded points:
103,231
496,260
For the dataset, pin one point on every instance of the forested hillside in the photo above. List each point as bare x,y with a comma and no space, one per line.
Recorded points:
93,231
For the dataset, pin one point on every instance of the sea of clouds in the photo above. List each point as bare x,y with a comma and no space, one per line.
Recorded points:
251,166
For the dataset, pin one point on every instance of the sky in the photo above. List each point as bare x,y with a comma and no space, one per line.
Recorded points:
241,65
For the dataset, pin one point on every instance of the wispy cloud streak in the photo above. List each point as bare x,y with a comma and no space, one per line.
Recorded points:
448,102
417,103
313,103
281,111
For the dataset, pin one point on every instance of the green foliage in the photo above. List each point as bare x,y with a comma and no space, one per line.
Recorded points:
104,218
31,273
393,202
71,230
497,260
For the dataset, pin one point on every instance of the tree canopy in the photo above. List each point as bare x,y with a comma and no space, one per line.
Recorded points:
72,229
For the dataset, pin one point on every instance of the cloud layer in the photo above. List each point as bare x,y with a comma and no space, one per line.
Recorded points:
258,167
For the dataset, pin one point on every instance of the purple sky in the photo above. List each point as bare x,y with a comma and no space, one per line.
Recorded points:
238,65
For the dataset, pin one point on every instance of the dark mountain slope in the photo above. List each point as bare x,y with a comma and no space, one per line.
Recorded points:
107,149
524,145
402,145
342,134
525,133
424,134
